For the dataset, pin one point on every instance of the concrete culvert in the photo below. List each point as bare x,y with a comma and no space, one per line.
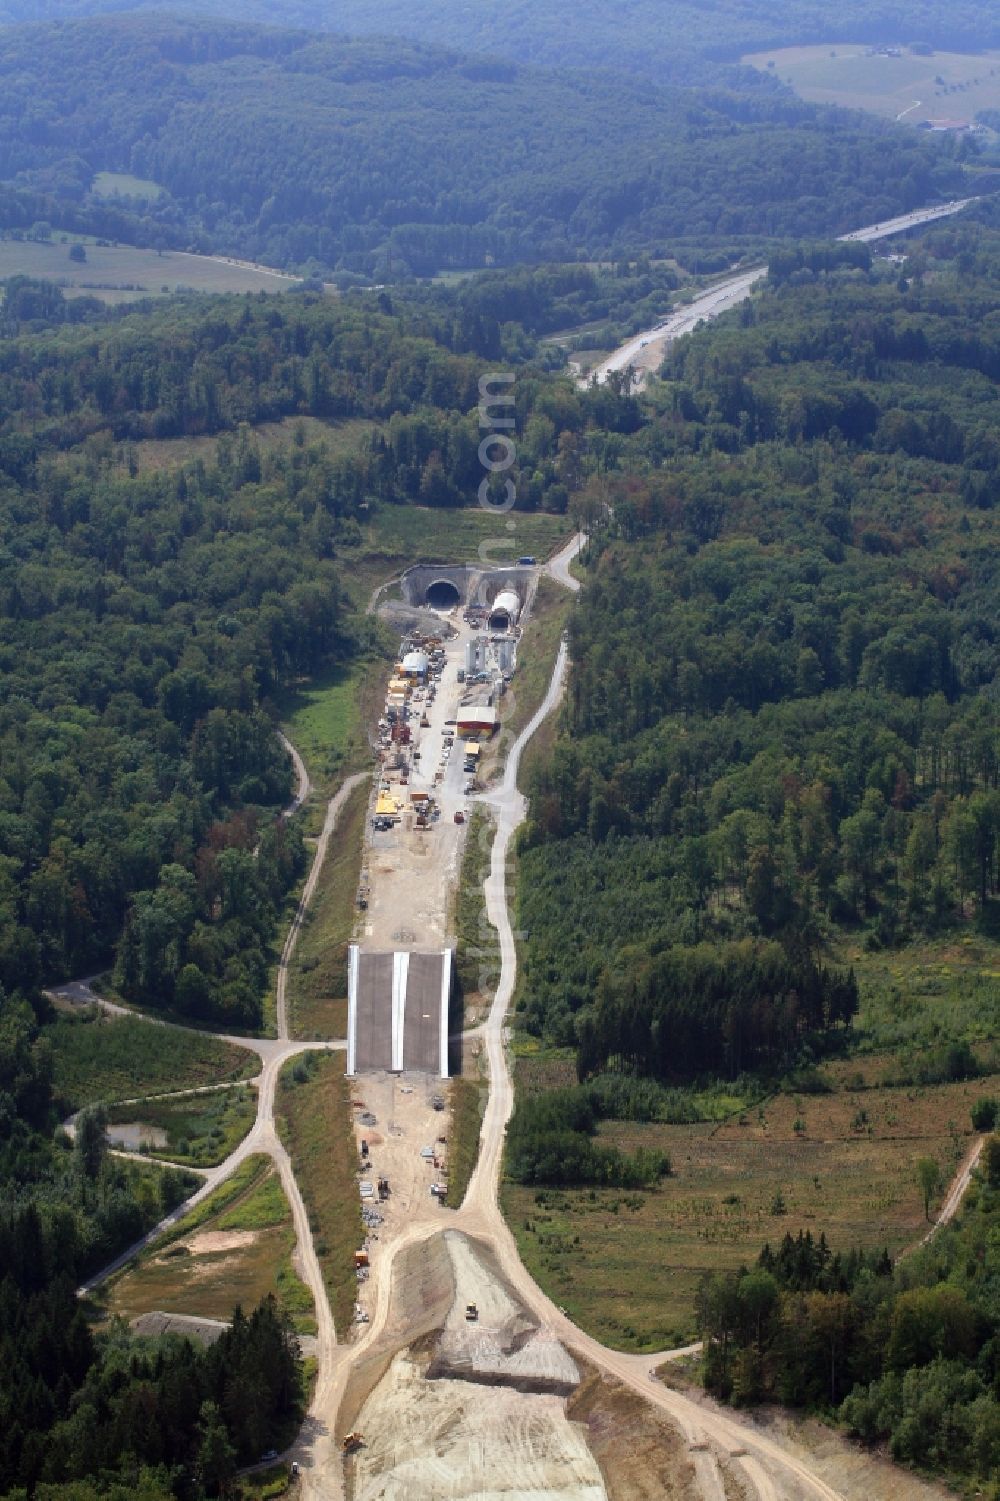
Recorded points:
442,595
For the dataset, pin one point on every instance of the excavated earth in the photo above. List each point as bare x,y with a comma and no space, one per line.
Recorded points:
493,1408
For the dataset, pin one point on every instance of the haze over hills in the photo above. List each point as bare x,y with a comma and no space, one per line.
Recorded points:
378,155
687,45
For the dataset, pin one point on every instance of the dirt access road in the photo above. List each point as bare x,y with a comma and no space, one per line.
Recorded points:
645,351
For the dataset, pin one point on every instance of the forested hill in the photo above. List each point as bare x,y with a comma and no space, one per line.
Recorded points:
385,156
147,620
782,718
699,39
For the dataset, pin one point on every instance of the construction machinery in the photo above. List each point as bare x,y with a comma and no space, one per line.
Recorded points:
351,1441
471,1313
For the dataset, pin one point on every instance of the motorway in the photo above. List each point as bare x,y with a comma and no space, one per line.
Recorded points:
645,351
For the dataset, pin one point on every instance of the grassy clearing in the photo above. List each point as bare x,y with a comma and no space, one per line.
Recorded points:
953,85
313,1114
468,1102
317,981
170,453
202,1129
627,1265
478,955
322,718
916,998
125,185
247,1177
841,1162
96,1058
276,1480
236,1247
122,274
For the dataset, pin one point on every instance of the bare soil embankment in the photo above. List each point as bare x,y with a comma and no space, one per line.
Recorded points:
467,1406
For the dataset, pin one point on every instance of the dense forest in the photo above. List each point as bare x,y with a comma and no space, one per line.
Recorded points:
145,621
149,618
782,719
370,156
701,42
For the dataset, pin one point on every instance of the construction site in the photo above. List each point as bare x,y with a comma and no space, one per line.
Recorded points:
435,736
465,1380
461,1377
436,742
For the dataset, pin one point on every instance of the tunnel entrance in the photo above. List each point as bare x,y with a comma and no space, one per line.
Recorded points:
442,595
499,621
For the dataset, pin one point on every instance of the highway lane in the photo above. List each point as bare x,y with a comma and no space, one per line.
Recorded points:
645,351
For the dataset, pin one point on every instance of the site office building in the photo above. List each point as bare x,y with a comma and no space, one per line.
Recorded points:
478,722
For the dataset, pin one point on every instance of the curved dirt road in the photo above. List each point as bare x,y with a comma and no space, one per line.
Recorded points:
262,1137
303,784
558,566
480,1211
333,811
956,1193
952,1201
